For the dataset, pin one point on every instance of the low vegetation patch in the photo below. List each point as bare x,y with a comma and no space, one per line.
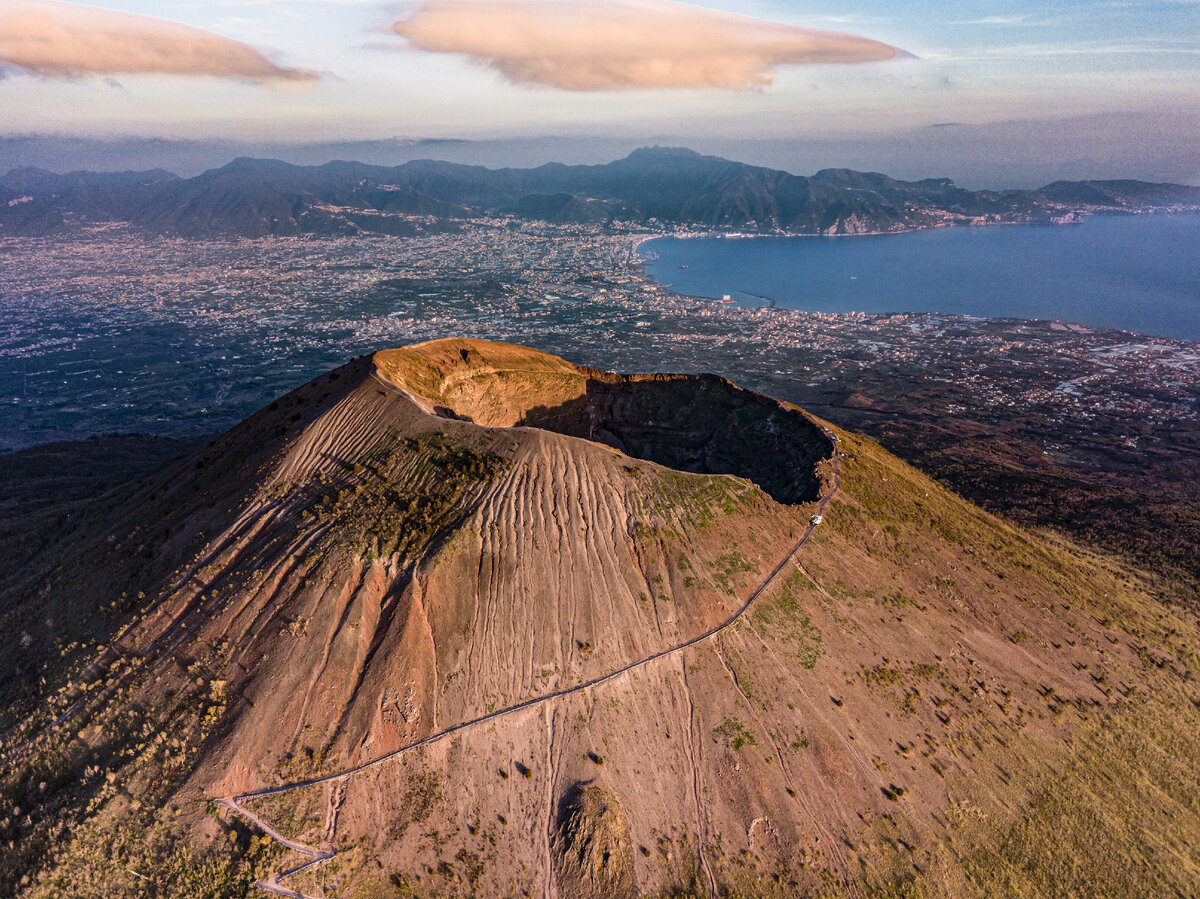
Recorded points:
734,734
782,616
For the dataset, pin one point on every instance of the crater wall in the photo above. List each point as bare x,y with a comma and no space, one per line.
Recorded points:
702,424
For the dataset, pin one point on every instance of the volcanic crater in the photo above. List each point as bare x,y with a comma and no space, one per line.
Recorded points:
702,424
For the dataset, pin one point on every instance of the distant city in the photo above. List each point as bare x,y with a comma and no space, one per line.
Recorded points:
118,332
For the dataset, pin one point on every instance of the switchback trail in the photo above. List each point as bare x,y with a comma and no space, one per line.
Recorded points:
320,854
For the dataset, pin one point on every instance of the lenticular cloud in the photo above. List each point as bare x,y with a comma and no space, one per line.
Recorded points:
56,39
589,45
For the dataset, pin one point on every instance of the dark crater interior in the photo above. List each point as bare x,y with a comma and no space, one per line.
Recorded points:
701,424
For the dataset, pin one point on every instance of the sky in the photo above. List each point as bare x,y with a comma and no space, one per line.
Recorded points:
1102,89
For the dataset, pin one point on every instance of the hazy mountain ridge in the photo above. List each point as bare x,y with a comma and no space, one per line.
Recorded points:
671,187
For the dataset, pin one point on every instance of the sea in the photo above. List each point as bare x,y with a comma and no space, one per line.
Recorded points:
1135,272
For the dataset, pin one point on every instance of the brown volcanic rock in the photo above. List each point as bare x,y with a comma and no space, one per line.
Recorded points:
925,700
360,568
449,567
593,852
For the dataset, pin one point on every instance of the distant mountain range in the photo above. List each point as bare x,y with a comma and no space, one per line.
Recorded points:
667,186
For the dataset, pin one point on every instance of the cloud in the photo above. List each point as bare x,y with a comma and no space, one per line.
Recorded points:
594,45
57,39
1004,20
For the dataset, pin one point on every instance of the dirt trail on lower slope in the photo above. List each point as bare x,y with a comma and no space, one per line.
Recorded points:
322,854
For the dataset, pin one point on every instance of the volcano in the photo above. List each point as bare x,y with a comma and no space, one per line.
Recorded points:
464,618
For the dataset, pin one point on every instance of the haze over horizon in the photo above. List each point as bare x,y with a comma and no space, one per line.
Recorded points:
995,97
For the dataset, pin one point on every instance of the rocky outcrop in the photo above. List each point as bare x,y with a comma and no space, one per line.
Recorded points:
592,846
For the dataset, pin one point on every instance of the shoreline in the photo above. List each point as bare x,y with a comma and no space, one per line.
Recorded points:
758,299
1081,216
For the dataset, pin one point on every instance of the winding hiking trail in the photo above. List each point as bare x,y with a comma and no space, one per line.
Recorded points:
319,855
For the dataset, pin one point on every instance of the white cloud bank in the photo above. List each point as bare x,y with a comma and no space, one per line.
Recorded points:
57,39
595,45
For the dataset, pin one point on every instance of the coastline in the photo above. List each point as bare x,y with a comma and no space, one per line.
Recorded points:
1077,217
1037,276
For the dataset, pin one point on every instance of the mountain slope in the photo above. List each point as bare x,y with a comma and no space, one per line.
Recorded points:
922,701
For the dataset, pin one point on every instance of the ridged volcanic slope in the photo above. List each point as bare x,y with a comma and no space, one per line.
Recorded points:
360,569
928,703
441,567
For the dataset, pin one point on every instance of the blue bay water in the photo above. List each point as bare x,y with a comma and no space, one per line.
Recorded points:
1138,273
